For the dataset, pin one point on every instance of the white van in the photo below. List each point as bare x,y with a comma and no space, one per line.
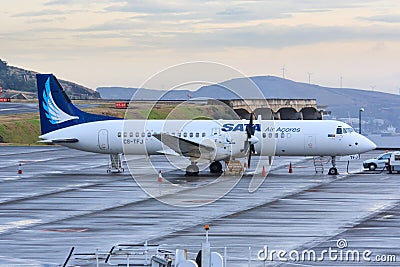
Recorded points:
393,164
379,162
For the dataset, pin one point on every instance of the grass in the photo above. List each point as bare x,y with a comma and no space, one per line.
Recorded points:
24,129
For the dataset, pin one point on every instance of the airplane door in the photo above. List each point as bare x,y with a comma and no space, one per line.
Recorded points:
309,142
215,132
103,139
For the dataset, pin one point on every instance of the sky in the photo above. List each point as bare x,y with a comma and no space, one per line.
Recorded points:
123,43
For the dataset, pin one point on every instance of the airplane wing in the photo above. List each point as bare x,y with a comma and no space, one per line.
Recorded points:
59,140
182,146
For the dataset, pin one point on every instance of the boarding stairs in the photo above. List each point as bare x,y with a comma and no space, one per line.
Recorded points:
115,164
234,167
318,164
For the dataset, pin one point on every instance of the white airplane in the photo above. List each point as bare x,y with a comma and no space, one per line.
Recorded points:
211,140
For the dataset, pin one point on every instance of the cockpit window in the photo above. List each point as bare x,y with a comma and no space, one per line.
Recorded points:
341,130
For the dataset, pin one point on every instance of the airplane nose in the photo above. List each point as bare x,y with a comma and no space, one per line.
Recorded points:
365,144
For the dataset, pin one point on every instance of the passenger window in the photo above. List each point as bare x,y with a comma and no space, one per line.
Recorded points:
125,134
148,134
143,134
185,134
282,135
179,134
119,134
288,135
131,134
264,135
191,134
197,135
339,131
270,135
137,134
203,134
276,135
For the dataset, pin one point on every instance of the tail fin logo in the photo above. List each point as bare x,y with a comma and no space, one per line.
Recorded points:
53,112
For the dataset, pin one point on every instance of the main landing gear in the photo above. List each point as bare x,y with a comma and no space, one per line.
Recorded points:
192,169
216,167
333,170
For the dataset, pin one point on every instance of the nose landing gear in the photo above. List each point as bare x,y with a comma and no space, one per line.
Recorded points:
333,170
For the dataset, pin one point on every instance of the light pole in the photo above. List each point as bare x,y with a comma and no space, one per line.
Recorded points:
359,119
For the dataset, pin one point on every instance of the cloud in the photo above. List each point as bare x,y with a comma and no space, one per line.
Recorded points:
41,13
205,25
234,11
163,33
76,2
231,11
390,18
268,36
147,7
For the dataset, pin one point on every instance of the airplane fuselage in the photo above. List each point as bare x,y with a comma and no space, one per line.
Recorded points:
281,137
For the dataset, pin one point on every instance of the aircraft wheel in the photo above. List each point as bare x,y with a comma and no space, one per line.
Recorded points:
333,171
192,170
216,167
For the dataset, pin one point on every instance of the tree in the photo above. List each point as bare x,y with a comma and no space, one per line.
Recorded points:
3,65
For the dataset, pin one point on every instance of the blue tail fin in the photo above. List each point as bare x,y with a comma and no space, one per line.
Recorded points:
56,109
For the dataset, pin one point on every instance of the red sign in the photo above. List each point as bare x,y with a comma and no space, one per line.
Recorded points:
121,104
5,99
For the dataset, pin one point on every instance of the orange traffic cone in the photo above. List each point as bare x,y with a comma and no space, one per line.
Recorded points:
19,169
264,172
160,178
290,168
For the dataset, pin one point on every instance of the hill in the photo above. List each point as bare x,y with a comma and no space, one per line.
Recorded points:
381,109
14,79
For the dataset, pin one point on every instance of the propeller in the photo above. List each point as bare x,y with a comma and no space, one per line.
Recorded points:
250,130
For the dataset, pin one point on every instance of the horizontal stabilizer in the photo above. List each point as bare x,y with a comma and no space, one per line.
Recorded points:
59,140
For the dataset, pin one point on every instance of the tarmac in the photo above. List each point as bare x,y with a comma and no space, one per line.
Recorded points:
11,108
65,198
17,108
